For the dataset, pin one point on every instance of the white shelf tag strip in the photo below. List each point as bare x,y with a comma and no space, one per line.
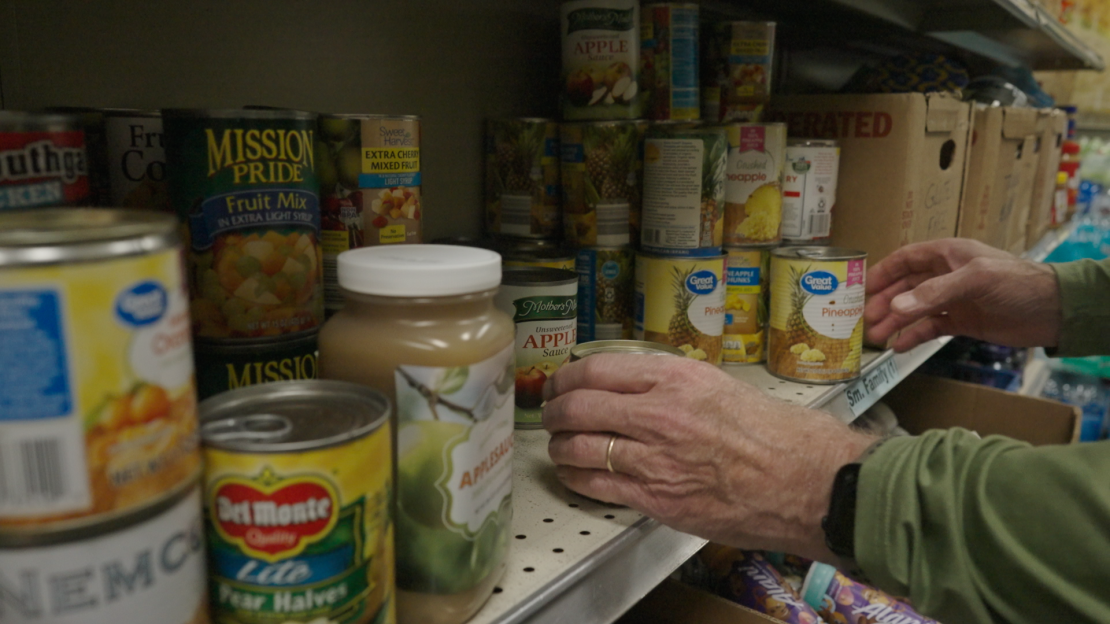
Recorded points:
872,386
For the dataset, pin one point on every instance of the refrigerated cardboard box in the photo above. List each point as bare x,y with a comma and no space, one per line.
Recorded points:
902,163
1052,128
922,402
1001,163
675,603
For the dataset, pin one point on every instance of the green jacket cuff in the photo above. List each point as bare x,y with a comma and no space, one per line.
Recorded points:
1085,301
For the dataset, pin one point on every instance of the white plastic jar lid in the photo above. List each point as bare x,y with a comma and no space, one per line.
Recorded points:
419,270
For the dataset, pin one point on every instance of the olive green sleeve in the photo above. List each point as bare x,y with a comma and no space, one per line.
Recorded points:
1085,300
989,530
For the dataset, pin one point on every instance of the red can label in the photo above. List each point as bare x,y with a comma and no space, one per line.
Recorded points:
43,169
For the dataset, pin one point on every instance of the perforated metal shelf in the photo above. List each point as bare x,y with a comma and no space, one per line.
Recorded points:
577,561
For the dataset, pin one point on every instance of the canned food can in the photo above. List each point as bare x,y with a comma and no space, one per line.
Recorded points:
145,566
544,306
601,173
817,297
468,241
684,190
522,178
753,190
524,255
91,121
601,59
669,60
809,190
370,181
681,302
42,161
633,347
96,376
136,160
223,367
605,289
746,295
245,183
297,490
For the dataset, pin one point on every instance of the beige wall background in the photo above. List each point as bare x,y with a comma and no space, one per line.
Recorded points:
453,63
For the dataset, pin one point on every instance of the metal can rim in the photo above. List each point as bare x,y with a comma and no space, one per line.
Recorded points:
537,276
238,113
544,120
86,528
812,142
231,346
231,404
135,232
369,116
637,347
817,252
648,254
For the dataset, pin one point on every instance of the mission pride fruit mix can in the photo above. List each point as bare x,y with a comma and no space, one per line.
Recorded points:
244,181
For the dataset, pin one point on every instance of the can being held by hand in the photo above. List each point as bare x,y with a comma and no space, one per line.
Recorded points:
544,305
631,347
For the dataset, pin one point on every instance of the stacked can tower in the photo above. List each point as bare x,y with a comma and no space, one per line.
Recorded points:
244,183
99,457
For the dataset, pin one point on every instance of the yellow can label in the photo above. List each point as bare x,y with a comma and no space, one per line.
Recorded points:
746,305
97,400
566,264
816,318
302,536
681,302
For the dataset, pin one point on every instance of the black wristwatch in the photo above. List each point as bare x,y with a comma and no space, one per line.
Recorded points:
840,524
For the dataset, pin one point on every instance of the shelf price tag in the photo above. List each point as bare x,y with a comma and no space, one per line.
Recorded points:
872,386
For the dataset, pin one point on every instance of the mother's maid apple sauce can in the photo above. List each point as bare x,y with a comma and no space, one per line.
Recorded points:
245,183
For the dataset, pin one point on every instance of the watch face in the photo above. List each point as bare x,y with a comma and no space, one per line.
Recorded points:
840,524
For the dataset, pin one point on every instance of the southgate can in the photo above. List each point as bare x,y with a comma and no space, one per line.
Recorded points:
544,306
297,503
605,290
669,60
817,296
223,367
136,159
145,566
746,295
684,190
42,161
809,190
245,183
601,171
681,302
522,178
632,347
97,401
370,181
601,59
753,190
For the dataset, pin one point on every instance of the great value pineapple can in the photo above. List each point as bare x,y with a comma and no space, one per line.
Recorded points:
753,186
605,290
297,486
817,299
602,165
747,274
681,302
522,178
684,189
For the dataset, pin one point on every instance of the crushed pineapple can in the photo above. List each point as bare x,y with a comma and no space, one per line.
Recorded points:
522,178
297,486
753,184
746,295
817,298
244,182
681,302
605,287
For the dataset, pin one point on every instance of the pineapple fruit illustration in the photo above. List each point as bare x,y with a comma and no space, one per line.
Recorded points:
681,330
515,166
610,167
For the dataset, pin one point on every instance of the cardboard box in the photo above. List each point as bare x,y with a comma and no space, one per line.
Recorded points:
1002,155
1052,128
922,402
675,603
902,163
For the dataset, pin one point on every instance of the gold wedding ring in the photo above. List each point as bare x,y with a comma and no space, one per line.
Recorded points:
609,453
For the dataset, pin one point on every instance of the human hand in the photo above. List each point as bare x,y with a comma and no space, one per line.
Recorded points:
962,287
697,450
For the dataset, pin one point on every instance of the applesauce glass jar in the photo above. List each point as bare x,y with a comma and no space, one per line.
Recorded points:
419,324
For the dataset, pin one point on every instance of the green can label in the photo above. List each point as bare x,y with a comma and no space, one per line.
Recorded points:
248,191
220,369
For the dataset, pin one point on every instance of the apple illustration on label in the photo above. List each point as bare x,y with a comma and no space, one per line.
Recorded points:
529,387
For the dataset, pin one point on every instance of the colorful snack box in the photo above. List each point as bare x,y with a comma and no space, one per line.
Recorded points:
839,599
